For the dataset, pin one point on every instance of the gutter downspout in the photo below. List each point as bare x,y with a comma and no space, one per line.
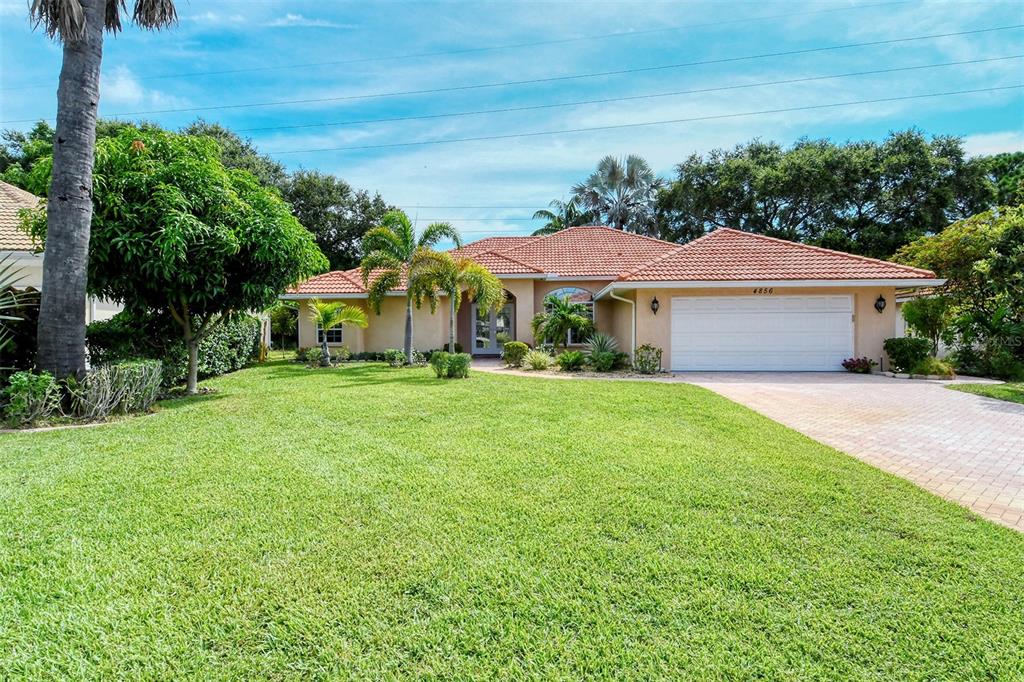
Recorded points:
632,326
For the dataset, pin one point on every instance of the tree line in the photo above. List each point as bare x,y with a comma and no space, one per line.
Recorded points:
865,197
332,210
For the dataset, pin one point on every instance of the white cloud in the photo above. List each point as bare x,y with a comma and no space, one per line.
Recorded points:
121,87
994,143
298,20
215,18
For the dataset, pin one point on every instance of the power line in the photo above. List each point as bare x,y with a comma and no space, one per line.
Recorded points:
492,48
626,98
551,79
646,123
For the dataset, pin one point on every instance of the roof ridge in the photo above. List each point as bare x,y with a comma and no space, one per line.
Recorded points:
652,262
820,249
616,231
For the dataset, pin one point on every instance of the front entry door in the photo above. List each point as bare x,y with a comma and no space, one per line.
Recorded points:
492,329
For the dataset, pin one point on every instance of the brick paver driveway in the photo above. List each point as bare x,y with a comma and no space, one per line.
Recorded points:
963,447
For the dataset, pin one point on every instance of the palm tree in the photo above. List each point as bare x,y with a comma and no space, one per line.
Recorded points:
561,215
560,317
9,299
436,273
389,250
622,192
79,24
327,316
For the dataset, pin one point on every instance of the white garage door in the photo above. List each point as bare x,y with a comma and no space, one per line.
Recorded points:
752,333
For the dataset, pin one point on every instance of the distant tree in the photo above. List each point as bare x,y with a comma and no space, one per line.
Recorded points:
388,251
337,215
928,318
20,151
865,197
175,232
621,192
438,273
560,215
284,321
1007,173
328,315
236,152
79,24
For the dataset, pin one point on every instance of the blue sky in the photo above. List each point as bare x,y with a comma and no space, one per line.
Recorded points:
320,50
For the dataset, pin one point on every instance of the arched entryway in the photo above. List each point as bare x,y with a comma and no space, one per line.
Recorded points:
491,329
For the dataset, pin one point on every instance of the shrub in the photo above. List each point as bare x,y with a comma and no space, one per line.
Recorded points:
458,365
30,397
513,352
934,367
537,360
394,357
859,365
314,357
906,352
648,359
603,361
439,363
368,356
570,360
300,354
341,354
131,335
458,347
123,387
602,343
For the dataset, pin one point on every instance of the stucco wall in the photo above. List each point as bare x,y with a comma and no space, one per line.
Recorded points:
870,327
29,267
386,330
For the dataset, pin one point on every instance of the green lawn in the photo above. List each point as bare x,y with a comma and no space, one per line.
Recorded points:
1013,392
370,522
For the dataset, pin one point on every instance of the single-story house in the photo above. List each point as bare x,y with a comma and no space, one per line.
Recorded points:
730,300
17,248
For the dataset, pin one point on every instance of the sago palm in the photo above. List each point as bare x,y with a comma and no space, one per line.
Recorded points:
560,317
622,192
436,273
389,250
79,24
327,316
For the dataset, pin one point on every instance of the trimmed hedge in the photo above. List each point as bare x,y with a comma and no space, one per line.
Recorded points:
130,335
905,352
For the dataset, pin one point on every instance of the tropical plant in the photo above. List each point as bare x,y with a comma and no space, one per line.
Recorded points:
513,353
9,300
603,361
570,360
30,397
327,315
80,27
314,357
537,360
176,233
561,316
389,250
927,317
933,367
602,343
560,215
622,192
437,273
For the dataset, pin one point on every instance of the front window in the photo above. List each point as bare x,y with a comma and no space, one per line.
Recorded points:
581,296
333,335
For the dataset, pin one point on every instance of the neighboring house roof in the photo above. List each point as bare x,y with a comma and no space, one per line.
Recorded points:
622,258
12,201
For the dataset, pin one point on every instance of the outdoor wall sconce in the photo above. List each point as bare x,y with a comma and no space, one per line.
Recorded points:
880,303
655,305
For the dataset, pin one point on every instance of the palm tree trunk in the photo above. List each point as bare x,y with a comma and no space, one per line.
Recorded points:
408,330
61,327
451,331
325,360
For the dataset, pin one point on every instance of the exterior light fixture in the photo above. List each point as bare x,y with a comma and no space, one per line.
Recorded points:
655,305
880,304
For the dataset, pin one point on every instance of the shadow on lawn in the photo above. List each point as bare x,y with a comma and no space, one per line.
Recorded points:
353,374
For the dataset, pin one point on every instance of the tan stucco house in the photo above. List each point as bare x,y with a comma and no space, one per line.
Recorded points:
729,300
16,248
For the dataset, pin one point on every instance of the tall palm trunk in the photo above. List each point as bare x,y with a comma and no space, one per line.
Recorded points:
61,328
451,330
408,329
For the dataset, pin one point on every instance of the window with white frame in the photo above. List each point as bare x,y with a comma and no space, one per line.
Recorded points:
576,295
333,335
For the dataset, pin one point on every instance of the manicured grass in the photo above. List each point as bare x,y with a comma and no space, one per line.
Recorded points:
376,523
1013,392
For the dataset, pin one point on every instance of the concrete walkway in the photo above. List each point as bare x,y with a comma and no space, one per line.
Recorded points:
964,447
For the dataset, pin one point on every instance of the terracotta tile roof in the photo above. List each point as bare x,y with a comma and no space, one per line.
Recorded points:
726,254
605,253
592,251
12,200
